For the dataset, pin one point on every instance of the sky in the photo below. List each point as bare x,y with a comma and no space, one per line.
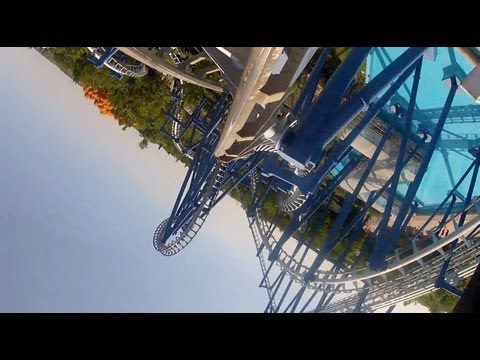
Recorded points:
79,202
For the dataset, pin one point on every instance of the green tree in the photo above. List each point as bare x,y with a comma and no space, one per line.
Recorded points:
141,103
440,301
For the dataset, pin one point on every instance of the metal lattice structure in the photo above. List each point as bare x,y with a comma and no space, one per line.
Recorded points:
101,56
355,227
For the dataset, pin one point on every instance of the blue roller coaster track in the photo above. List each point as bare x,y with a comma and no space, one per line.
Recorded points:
403,149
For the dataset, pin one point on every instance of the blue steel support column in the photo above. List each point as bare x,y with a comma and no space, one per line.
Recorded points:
386,245
290,282
296,300
327,300
356,232
297,248
260,199
277,283
318,224
107,55
308,91
243,195
370,238
266,274
274,223
326,296
401,153
451,193
474,232
374,195
338,84
252,167
345,210
321,124
322,302
390,309
295,222
182,189
447,212
304,307
192,197
361,300
413,210
468,198
197,174
440,282
340,149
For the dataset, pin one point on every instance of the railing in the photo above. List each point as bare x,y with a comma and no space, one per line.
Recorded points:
196,221
113,64
404,264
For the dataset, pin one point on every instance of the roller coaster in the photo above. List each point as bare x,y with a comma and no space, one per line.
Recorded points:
100,56
359,194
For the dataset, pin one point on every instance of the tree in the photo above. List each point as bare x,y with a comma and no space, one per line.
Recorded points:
141,103
143,144
440,301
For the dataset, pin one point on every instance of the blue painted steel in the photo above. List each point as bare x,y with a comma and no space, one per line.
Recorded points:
345,210
107,55
374,196
312,204
386,244
258,199
317,124
361,298
441,277
459,133
323,122
276,284
450,194
355,234
382,229
413,210
304,101
262,282
200,169
390,309
316,227
285,292
339,150
445,216
296,300
249,169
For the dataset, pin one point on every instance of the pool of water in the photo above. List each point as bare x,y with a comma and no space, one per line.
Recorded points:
462,128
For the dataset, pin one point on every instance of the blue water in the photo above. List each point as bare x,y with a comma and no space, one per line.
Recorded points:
462,128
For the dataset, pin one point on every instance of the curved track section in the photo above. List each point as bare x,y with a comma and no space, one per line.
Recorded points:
195,222
295,199
175,133
406,258
419,281
122,69
412,272
331,227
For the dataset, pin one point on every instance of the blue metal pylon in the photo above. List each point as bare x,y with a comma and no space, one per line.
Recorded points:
311,152
441,282
382,248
